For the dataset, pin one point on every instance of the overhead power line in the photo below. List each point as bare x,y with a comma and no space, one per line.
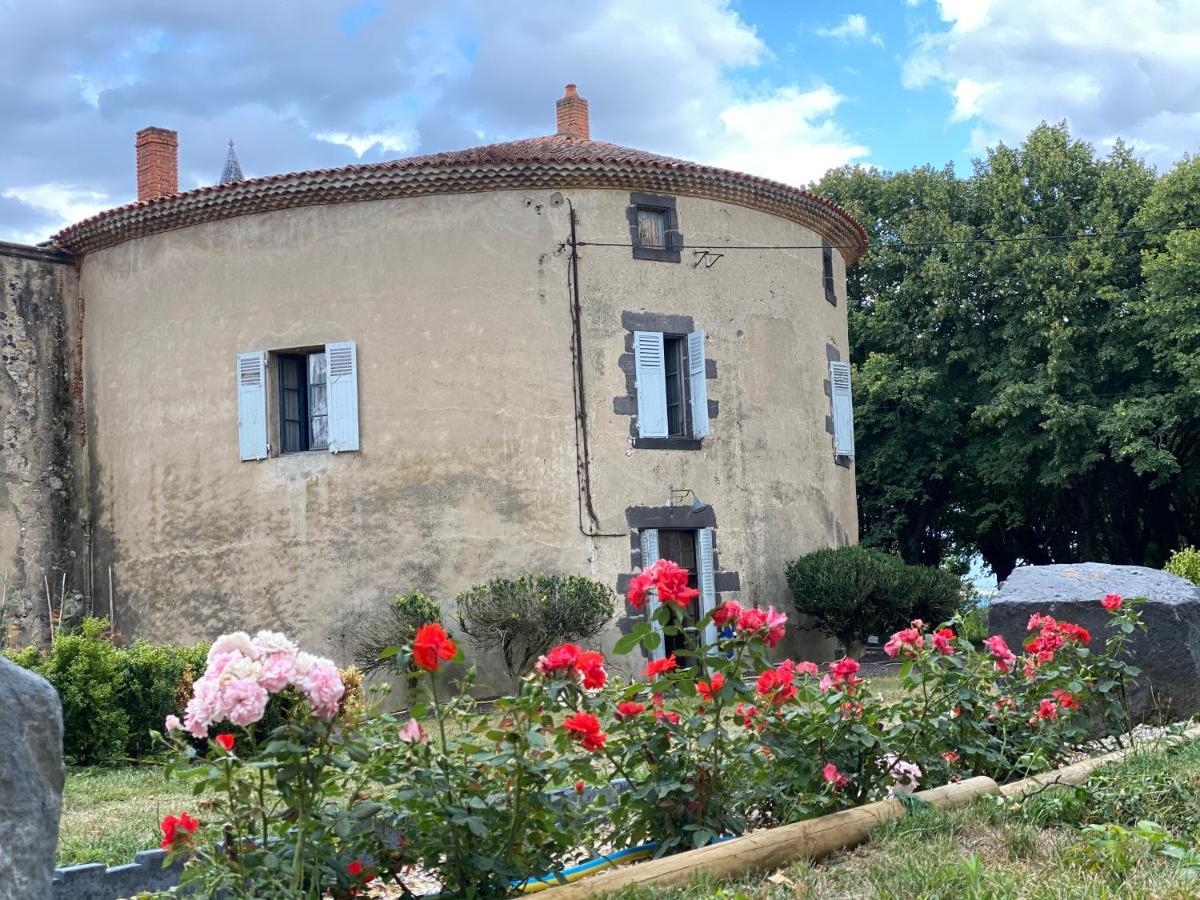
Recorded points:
1080,236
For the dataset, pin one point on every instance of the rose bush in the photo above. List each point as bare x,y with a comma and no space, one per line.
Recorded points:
713,740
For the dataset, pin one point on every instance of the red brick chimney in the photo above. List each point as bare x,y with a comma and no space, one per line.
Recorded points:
573,115
157,163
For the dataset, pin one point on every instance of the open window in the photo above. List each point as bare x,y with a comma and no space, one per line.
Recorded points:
692,549
298,400
672,393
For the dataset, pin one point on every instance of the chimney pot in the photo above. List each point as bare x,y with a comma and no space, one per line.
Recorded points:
157,163
572,115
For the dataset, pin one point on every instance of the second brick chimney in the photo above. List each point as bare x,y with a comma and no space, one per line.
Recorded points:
573,115
157,163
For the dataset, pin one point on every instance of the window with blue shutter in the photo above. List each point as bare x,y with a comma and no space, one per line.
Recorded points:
671,390
843,410
706,576
342,396
649,542
252,405
697,384
651,381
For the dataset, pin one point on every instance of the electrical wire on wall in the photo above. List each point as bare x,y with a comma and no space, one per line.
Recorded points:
583,462
896,242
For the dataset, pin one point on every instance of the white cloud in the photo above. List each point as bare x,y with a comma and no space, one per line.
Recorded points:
301,91
789,135
851,30
1109,67
361,143
68,202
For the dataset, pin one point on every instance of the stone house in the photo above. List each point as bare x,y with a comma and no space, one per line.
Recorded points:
276,402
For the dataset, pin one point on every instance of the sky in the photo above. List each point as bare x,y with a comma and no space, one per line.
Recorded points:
785,90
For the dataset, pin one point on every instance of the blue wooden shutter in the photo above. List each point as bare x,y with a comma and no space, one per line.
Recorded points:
651,374
699,389
342,396
708,581
843,409
649,539
252,405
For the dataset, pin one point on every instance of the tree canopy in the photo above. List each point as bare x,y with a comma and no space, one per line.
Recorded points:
1029,399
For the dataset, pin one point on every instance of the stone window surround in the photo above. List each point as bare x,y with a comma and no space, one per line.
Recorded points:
671,517
626,405
674,240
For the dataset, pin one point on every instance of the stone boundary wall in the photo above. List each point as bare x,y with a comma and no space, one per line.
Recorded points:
97,881
41,531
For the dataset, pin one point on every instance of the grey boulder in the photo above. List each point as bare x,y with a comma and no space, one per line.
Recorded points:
1168,653
31,782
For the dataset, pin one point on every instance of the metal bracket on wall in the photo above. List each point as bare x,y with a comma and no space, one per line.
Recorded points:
707,257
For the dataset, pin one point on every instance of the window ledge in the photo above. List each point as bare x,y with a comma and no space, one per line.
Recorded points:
658,254
669,443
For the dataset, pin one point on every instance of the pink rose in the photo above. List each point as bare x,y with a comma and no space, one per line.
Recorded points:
412,733
775,626
751,619
278,671
173,723
323,688
244,701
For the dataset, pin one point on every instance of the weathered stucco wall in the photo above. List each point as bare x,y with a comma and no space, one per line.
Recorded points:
39,525
460,308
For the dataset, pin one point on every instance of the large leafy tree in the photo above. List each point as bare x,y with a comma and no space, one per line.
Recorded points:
1024,398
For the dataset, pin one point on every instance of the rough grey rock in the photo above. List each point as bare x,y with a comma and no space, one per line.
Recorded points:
31,782
1168,652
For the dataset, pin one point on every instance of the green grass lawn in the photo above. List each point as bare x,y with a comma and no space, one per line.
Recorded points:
1037,849
109,814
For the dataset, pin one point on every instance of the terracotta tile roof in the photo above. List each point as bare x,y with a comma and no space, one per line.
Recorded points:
551,162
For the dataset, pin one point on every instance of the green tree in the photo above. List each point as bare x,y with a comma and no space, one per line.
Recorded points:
1024,398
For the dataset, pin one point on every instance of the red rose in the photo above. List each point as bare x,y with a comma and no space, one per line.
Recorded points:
657,667
628,710
355,868
579,786
431,645
1112,602
1066,700
709,689
726,613
941,641
585,728
226,742
172,825
590,666
559,661
752,619
1047,709
639,585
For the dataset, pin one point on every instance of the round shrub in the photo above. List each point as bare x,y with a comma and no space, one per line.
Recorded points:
855,592
393,627
526,616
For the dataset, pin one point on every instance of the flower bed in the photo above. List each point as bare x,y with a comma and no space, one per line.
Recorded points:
717,741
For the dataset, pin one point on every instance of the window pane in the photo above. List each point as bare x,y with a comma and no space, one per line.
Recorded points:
652,228
318,405
292,432
680,547
673,368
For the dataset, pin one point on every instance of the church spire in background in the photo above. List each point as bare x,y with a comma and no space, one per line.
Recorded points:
233,169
